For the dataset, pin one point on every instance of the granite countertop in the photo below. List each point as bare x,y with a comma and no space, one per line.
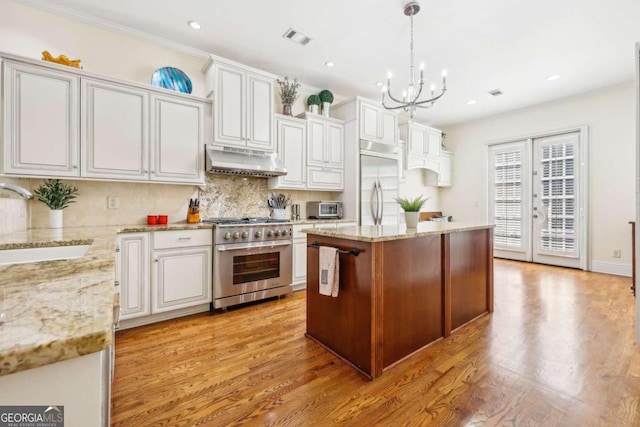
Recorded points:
57,310
320,221
383,233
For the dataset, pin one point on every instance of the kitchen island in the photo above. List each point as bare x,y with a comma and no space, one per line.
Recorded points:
405,289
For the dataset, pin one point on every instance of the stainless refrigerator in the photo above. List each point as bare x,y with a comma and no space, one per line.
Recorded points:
378,186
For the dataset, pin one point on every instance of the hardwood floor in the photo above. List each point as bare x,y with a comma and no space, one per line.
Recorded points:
557,351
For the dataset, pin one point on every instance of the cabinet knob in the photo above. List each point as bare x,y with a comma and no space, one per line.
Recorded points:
153,172
145,171
74,167
156,260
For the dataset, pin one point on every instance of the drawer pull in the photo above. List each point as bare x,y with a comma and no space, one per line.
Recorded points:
184,238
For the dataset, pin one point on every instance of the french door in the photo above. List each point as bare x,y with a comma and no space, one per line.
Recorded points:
537,189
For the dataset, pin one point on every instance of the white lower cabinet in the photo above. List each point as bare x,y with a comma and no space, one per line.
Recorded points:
134,275
164,274
300,250
181,278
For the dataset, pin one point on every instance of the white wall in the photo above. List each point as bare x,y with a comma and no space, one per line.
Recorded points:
610,115
28,31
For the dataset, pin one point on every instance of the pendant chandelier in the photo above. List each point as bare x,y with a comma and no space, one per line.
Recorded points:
411,95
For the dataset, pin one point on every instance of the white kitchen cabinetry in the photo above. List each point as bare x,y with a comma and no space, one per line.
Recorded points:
181,275
445,176
40,113
134,274
378,124
177,136
292,150
325,153
124,131
243,106
423,146
164,274
115,137
81,384
359,114
299,264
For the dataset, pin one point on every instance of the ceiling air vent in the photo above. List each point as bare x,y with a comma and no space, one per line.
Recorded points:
495,92
296,36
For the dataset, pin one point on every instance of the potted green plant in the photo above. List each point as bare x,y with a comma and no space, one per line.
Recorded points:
288,94
313,102
327,99
57,196
411,209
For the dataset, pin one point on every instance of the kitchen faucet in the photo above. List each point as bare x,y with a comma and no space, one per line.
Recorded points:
23,192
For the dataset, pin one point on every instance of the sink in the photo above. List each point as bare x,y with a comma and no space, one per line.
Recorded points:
48,253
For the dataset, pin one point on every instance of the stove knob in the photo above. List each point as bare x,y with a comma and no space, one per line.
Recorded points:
258,234
227,236
270,233
236,235
245,234
286,232
277,233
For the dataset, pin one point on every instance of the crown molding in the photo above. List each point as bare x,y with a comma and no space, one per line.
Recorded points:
111,26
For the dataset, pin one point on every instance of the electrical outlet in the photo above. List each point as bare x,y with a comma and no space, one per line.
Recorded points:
113,202
616,253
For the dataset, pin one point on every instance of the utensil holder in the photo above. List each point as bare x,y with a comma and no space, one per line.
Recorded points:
279,214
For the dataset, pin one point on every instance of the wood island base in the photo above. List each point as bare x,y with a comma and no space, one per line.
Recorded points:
399,294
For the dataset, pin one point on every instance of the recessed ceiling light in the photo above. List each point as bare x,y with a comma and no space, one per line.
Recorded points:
378,83
553,77
194,25
471,102
329,64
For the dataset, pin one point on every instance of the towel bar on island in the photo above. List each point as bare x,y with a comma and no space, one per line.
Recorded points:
354,251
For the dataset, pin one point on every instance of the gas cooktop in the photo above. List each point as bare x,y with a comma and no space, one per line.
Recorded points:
254,220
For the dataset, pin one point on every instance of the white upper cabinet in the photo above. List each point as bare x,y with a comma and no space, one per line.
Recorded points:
422,146
177,135
378,124
110,150
61,123
292,150
243,105
325,153
41,110
445,176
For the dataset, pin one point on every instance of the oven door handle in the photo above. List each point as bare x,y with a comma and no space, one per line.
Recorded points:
222,248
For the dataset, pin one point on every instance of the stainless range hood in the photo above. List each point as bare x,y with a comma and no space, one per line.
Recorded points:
243,162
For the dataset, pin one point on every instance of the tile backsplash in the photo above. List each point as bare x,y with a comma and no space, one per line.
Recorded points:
221,196
232,196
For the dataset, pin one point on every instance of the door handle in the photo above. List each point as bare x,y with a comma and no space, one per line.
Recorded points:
374,205
381,202
535,215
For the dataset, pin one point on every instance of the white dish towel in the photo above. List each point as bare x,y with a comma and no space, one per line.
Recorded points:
329,273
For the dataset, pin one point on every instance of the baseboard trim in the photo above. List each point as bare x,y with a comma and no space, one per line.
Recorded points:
615,268
159,317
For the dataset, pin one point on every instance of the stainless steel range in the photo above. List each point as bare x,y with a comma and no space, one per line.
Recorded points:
251,259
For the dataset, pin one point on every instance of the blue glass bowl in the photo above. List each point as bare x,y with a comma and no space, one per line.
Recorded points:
172,78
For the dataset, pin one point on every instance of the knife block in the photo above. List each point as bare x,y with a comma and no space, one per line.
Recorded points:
193,215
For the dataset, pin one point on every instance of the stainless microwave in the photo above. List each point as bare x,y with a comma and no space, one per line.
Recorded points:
324,210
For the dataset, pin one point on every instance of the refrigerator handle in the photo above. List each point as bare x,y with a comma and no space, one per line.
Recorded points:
374,203
381,201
